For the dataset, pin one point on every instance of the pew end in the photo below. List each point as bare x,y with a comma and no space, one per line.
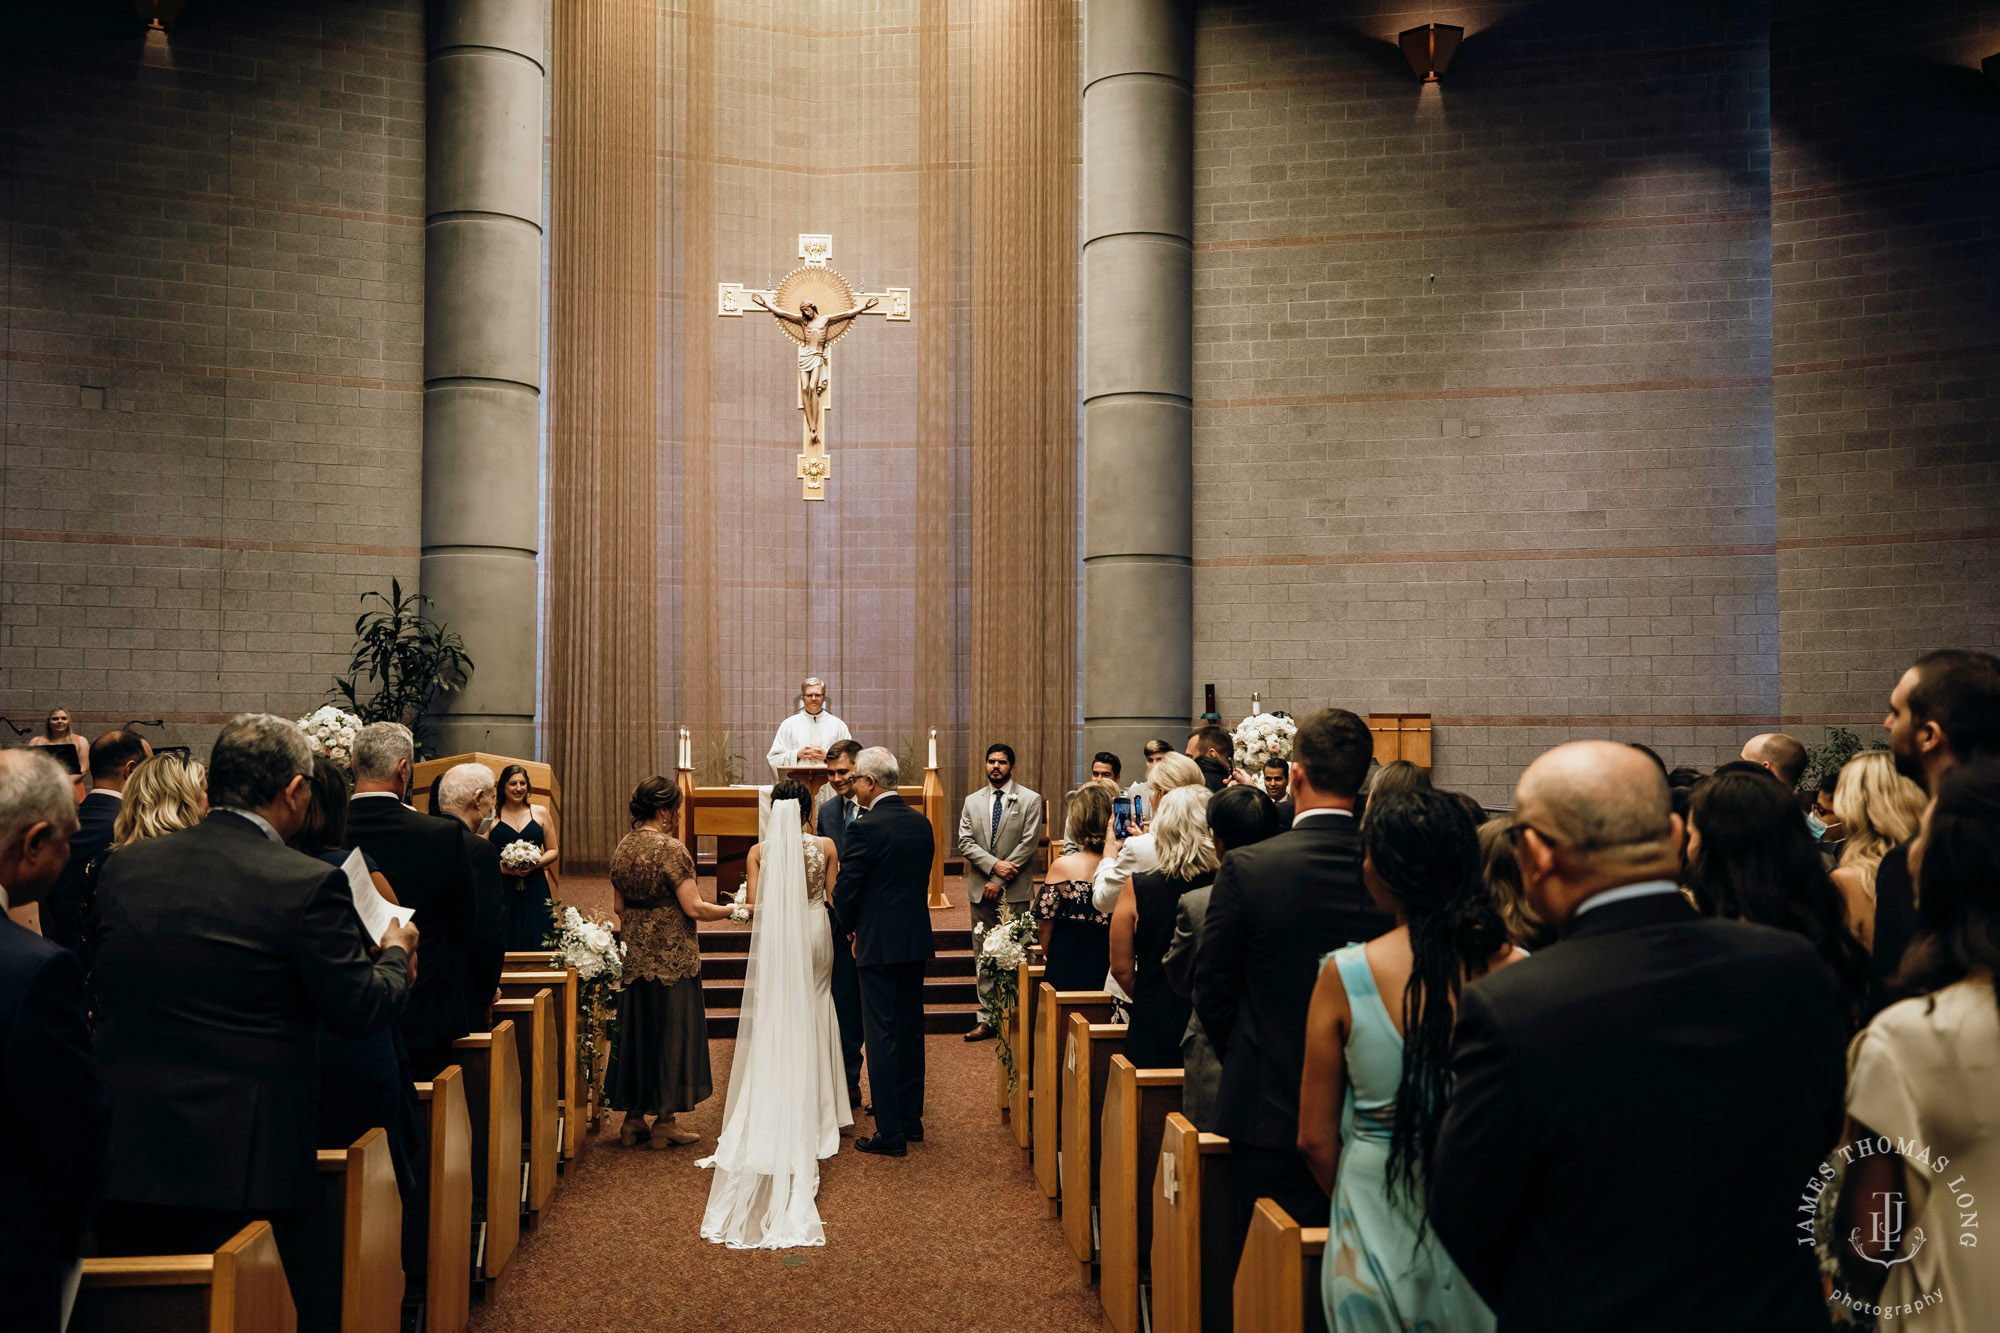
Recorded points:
539,1051
448,1243
1277,1280
1086,1074
1192,1287
493,1102
571,1107
1052,1011
1137,1103
365,1236
1022,1035
240,1288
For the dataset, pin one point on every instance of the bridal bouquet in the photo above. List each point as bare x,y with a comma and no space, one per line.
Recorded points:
740,911
1263,738
599,959
1002,950
520,854
331,733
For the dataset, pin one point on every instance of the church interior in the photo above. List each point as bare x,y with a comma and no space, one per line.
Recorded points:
1507,372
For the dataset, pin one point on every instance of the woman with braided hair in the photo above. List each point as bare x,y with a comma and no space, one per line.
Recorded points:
1378,1067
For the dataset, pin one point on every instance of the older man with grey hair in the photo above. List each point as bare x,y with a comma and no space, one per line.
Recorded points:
221,951
806,736
54,1121
1648,1028
465,794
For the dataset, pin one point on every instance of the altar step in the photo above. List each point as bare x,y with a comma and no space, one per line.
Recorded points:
951,1002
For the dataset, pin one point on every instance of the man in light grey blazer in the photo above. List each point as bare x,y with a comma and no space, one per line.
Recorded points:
997,833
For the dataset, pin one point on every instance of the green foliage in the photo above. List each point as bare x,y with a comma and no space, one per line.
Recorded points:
1830,756
719,765
404,659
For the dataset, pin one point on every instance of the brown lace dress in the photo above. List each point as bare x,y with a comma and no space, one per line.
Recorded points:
659,1055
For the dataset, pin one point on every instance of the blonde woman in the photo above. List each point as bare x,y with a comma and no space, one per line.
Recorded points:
165,794
57,732
1879,808
1142,925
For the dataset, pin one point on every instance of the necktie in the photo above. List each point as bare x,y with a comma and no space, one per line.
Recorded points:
994,837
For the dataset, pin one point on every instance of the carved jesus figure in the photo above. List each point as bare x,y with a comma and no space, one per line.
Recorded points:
816,334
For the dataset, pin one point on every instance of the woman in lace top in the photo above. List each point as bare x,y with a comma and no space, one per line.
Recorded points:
659,1057
1075,936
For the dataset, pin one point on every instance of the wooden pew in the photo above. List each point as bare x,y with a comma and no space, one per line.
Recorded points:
1277,1281
1052,1011
1137,1103
1192,1286
1086,1074
238,1289
492,1065
448,1244
1022,1035
570,1083
540,1052
364,1232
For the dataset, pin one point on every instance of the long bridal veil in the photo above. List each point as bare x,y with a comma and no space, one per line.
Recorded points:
767,1162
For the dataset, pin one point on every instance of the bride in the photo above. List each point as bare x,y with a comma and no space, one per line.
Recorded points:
787,1099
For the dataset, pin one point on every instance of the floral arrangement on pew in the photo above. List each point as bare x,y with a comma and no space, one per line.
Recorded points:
331,733
1001,951
598,956
523,855
1263,737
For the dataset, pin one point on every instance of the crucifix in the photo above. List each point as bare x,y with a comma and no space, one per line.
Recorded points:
814,305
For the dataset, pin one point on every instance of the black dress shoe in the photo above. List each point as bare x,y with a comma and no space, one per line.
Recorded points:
881,1146
915,1134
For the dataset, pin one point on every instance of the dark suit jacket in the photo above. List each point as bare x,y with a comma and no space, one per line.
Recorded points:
63,905
54,1122
1636,1112
1277,909
1895,920
883,893
833,823
424,859
485,948
220,952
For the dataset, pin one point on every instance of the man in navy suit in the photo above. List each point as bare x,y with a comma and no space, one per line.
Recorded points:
883,899
113,756
835,814
54,1119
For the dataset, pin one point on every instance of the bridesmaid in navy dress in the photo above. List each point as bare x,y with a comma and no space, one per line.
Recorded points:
529,922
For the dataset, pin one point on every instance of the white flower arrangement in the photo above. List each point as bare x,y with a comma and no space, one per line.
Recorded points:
520,854
999,955
331,733
1263,738
741,910
589,947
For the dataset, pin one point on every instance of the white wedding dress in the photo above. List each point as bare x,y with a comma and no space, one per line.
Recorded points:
787,1098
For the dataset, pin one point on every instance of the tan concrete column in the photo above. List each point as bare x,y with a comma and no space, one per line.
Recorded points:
482,358
1138,340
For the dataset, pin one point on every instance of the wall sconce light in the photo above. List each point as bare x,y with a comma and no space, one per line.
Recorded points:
159,15
1430,48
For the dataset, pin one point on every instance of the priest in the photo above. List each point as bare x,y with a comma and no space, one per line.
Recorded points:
806,736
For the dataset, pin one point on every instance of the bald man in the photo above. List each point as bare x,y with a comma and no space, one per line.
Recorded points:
1784,757
1636,1109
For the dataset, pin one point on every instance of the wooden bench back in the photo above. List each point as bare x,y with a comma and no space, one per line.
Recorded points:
1192,1285
364,1232
1277,1280
493,1102
1086,1074
1052,1011
540,1052
1022,1034
521,982
240,1288
448,1231
1137,1103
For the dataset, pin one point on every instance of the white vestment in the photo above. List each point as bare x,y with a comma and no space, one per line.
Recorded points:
801,729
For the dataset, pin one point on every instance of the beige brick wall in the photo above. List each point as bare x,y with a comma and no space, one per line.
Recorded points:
1483,405
213,318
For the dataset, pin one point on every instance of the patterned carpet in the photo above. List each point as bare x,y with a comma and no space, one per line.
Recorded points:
950,1238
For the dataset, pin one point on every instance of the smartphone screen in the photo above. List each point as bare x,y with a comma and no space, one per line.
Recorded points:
1138,811
1121,816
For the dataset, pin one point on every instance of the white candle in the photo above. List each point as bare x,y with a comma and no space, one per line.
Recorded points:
933,747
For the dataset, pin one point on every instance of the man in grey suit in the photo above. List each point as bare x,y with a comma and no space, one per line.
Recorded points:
997,833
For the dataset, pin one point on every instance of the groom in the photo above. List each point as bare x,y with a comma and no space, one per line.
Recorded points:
883,897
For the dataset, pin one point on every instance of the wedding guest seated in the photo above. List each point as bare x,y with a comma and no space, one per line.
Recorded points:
466,793
1502,873
1276,910
1075,935
1927,1071
1127,856
220,952
658,1062
425,858
1143,925
113,758
1580,1075
1377,1066
360,1077
54,1124
1750,857
1875,808
1238,817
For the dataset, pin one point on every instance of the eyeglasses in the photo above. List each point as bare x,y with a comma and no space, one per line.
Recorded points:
1514,832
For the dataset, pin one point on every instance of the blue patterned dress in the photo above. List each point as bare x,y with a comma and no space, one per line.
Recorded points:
1376,1278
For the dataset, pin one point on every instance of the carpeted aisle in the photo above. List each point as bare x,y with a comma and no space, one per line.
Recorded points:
949,1238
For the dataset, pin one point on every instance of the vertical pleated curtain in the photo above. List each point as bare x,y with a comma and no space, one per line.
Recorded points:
687,584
